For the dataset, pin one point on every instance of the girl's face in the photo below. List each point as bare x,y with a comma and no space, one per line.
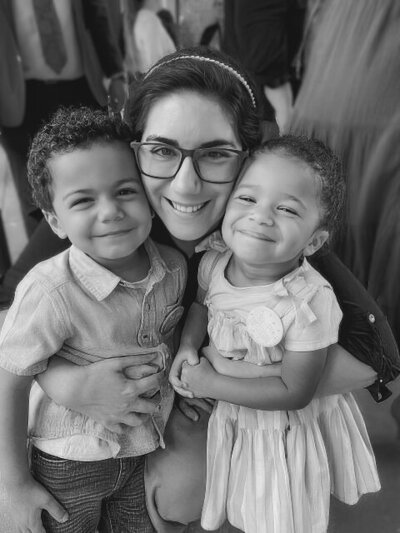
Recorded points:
273,215
189,207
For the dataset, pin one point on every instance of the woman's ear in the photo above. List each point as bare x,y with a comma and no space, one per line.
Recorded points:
54,223
317,240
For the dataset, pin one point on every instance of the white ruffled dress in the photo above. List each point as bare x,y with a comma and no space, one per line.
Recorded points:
274,471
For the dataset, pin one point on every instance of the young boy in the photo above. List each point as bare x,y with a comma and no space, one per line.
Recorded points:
113,292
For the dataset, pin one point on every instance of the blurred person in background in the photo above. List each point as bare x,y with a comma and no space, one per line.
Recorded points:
349,99
264,36
145,37
53,52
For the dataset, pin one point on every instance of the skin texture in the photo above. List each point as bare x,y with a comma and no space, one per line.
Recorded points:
169,120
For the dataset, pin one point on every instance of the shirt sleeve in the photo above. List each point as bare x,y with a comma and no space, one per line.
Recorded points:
323,331
33,331
206,266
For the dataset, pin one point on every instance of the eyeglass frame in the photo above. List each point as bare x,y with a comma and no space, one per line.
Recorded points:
135,145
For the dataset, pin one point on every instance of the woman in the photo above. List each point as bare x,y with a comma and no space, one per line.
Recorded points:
189,100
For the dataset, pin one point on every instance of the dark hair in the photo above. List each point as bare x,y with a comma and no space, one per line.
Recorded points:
326,167
179,71
67,130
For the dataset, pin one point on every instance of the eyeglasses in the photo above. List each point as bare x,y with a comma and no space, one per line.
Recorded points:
214,164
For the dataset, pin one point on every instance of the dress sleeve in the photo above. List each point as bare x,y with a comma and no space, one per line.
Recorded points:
34,330
321,332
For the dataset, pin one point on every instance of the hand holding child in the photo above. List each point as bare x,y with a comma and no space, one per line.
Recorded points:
27,500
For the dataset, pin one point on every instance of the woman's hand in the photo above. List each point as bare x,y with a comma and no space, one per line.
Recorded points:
192,407
110,391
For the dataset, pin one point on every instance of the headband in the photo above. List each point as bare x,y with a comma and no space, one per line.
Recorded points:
209,60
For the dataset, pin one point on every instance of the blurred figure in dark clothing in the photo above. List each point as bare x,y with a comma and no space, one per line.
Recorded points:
265,35
33,85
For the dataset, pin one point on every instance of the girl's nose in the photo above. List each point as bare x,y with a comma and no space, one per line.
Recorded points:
262,216
186,180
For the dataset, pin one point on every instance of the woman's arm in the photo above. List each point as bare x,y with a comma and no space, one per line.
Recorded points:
108,391
301,372
343,373
364,334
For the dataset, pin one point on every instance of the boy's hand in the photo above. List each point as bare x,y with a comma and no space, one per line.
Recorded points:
185,355
26,502
196,378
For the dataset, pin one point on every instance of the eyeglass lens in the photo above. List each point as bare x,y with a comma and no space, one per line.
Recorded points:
212,164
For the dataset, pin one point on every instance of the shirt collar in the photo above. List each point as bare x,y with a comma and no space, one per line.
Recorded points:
100,282
214,241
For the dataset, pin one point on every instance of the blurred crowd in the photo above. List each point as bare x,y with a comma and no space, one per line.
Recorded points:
323,67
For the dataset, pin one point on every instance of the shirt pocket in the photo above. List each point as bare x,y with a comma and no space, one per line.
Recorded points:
173,314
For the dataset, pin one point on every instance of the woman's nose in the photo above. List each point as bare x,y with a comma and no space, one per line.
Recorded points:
186,180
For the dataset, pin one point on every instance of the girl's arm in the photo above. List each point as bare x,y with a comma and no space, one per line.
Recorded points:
239,368
301,372
25,497
193,335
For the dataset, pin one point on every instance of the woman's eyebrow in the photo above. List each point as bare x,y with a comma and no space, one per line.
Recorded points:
208,144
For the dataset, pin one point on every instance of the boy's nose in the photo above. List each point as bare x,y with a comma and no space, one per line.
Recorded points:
261,216
110,209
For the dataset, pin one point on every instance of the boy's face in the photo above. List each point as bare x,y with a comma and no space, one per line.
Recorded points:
273,213
99,202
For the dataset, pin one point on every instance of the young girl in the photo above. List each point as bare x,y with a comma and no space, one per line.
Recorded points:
274,453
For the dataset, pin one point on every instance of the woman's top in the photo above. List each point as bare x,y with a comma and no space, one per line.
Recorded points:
273,471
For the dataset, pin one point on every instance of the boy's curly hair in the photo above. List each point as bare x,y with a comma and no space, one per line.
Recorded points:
326,167
67,130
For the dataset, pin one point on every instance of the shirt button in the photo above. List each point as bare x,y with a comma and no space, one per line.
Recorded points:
371,318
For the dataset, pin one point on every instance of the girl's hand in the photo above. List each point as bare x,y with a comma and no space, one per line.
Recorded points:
197,378
26,502
185,355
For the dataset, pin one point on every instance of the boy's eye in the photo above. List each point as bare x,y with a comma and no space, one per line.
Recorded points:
127,191
81,201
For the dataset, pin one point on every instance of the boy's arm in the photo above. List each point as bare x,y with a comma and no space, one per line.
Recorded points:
301,372
24,496
193,335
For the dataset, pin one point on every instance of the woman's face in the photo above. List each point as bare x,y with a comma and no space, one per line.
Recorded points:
189,207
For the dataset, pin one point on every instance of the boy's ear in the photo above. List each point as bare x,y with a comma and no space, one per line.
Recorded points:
318,239
54,223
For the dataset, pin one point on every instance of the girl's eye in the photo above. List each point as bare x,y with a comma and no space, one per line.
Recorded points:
246,199
287,210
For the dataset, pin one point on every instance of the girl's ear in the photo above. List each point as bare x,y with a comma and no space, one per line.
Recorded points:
54,223
319,238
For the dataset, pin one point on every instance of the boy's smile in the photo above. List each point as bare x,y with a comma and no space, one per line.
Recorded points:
99,203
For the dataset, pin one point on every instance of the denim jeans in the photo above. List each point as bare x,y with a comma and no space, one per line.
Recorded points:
107,495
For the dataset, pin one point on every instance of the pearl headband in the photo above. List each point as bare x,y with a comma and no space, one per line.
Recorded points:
209,60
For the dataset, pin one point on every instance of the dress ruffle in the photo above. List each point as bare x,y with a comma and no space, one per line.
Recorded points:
273,471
